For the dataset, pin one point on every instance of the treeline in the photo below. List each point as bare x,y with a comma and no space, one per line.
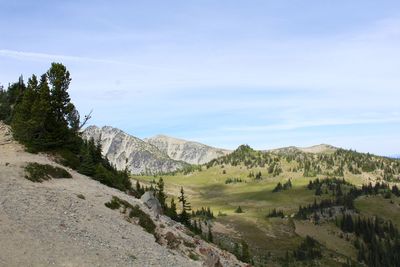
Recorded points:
377,241
330,164
205,213
43,118
333,186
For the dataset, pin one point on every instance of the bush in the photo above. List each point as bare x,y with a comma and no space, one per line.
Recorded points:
113,204
144,219
40,172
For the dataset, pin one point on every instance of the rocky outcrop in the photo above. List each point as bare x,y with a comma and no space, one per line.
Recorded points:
150,200
6,134
187,151
126,151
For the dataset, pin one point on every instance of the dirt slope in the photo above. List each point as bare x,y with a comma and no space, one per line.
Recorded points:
43,224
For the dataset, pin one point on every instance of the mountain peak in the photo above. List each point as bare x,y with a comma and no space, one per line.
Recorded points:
187,151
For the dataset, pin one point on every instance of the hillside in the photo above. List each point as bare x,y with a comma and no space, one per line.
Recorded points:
187,151
126,151
322,148
250,179
64,222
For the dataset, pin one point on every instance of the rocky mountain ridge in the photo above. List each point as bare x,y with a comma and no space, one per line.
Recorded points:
159,154
126,151
187,151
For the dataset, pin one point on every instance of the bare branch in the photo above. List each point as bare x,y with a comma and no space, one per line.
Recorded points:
87,118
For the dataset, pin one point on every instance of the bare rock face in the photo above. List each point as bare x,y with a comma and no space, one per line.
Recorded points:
126,151
187,151
150,200
154,155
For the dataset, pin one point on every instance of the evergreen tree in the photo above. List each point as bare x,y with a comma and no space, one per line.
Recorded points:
239,210
184,216
22,123
160,194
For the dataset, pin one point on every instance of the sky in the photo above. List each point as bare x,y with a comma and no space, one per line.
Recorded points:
265,73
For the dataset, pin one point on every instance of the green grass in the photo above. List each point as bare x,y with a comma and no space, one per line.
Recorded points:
40,172
388,209
207,188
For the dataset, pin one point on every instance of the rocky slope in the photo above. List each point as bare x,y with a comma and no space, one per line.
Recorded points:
187,151
64,222
322,148
124,150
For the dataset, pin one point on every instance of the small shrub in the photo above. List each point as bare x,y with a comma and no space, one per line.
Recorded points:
81,196
193,256
189,244
144,219
113,204
40,172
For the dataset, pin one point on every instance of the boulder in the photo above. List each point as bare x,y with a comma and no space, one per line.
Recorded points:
150,200
212,259
5,134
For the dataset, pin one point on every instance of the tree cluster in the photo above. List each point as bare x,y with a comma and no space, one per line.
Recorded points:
286,186
43,118
275,213
377,241
233,181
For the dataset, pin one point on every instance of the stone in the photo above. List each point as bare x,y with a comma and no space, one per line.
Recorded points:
150,200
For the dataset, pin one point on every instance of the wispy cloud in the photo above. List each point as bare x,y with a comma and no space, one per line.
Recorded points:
312,123
23,55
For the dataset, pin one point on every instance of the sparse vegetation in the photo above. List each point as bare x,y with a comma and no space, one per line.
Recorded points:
145,220
233,181
335,188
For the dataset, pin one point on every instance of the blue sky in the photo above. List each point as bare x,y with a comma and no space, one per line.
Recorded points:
265,73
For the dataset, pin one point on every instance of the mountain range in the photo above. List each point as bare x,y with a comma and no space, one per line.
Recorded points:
159,154
163,154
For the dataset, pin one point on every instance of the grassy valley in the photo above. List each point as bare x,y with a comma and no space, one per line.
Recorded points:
258,183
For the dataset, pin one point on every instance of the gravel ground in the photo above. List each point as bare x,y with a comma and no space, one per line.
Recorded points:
46,224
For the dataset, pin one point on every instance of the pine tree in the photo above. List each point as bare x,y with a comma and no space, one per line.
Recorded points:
22,123
239,210
160,194
41,115
184,215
